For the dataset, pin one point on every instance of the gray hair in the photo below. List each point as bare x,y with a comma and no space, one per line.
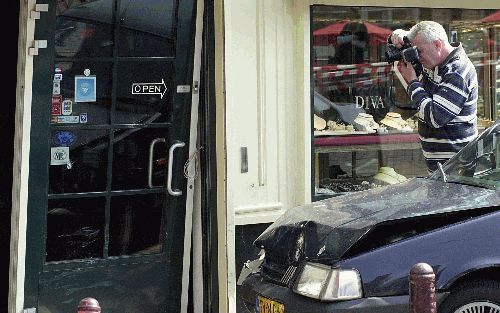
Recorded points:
429,31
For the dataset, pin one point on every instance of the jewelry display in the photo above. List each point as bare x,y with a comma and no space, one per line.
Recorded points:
393,121
319,123
365,122
389,176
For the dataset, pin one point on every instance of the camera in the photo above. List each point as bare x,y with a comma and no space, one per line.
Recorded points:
406,53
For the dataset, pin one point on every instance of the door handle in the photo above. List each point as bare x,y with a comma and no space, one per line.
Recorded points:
150,165
170,163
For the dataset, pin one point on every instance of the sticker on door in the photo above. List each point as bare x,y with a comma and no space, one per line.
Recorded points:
85,88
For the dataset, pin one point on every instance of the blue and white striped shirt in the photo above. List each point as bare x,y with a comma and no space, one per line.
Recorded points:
446,101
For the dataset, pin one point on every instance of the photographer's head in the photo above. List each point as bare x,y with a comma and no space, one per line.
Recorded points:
431,41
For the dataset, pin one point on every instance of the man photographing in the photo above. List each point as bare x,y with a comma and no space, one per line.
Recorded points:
445,97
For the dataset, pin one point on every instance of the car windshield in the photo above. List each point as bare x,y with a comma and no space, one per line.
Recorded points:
477,164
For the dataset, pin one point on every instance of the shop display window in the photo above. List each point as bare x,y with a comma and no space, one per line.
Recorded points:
363,136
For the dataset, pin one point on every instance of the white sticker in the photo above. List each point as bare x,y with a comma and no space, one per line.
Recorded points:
67,107
57,76
59,155
65,119
86,72
183,88
56,87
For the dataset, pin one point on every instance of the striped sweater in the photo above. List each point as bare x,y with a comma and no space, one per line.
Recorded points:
446,101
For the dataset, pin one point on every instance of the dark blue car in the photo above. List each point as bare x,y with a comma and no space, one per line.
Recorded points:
353,253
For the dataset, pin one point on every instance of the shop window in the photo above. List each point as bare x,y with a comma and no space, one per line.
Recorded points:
363,136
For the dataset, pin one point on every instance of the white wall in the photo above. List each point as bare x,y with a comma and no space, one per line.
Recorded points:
263,112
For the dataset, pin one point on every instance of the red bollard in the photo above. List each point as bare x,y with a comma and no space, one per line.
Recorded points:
89,305
422,289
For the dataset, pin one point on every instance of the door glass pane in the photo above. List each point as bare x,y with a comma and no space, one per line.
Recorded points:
78,161
84,29
131,153
75,229
81,99
146,28
136,224
144,92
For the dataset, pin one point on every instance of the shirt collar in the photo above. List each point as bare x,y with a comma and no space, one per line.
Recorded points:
453,54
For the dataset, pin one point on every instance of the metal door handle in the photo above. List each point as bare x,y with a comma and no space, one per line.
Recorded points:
170,163
150,165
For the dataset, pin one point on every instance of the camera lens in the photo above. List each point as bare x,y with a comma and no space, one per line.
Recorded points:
410,55
392,55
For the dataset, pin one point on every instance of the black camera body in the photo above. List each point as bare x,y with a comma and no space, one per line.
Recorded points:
406,53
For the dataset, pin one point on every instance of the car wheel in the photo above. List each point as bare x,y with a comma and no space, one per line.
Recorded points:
474,296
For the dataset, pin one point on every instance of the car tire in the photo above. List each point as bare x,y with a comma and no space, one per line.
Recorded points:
471,296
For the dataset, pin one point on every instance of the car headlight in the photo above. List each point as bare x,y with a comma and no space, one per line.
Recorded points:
328,284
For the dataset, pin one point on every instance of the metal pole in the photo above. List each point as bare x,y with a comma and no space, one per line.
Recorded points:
89,305
422,289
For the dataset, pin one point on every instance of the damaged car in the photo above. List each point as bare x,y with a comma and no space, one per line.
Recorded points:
353,253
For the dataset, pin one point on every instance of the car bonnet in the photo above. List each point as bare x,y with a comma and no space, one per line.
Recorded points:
327,229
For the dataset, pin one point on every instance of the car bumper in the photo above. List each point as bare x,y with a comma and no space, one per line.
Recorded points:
255,285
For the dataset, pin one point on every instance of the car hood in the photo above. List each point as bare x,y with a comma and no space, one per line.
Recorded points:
327,229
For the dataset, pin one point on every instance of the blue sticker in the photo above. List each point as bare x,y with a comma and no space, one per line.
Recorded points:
85,88
63,139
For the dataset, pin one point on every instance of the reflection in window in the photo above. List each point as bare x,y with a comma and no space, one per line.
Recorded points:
146,28
136,224
86,166
144,106
132,151
362,136
478,164
96,113
75,229
84,28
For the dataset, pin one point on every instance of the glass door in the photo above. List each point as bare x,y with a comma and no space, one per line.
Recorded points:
110,130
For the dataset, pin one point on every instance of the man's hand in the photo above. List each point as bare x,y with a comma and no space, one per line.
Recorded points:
397,37
408,72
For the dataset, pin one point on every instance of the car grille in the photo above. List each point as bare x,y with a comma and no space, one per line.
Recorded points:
279,274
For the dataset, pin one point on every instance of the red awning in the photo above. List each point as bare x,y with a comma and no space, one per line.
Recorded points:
328,35
491,18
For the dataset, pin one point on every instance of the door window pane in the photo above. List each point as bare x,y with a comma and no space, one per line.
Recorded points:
81,99
146,28
75,229
136,224
131,158
144,92
84,28
78,160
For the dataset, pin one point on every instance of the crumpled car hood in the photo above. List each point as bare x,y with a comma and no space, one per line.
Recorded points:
327,229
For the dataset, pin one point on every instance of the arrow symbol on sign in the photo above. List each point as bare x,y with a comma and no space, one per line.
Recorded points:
149,88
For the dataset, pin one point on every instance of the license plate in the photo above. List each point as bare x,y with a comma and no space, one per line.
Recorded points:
265,305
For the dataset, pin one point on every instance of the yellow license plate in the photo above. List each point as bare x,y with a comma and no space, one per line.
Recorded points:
269,306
